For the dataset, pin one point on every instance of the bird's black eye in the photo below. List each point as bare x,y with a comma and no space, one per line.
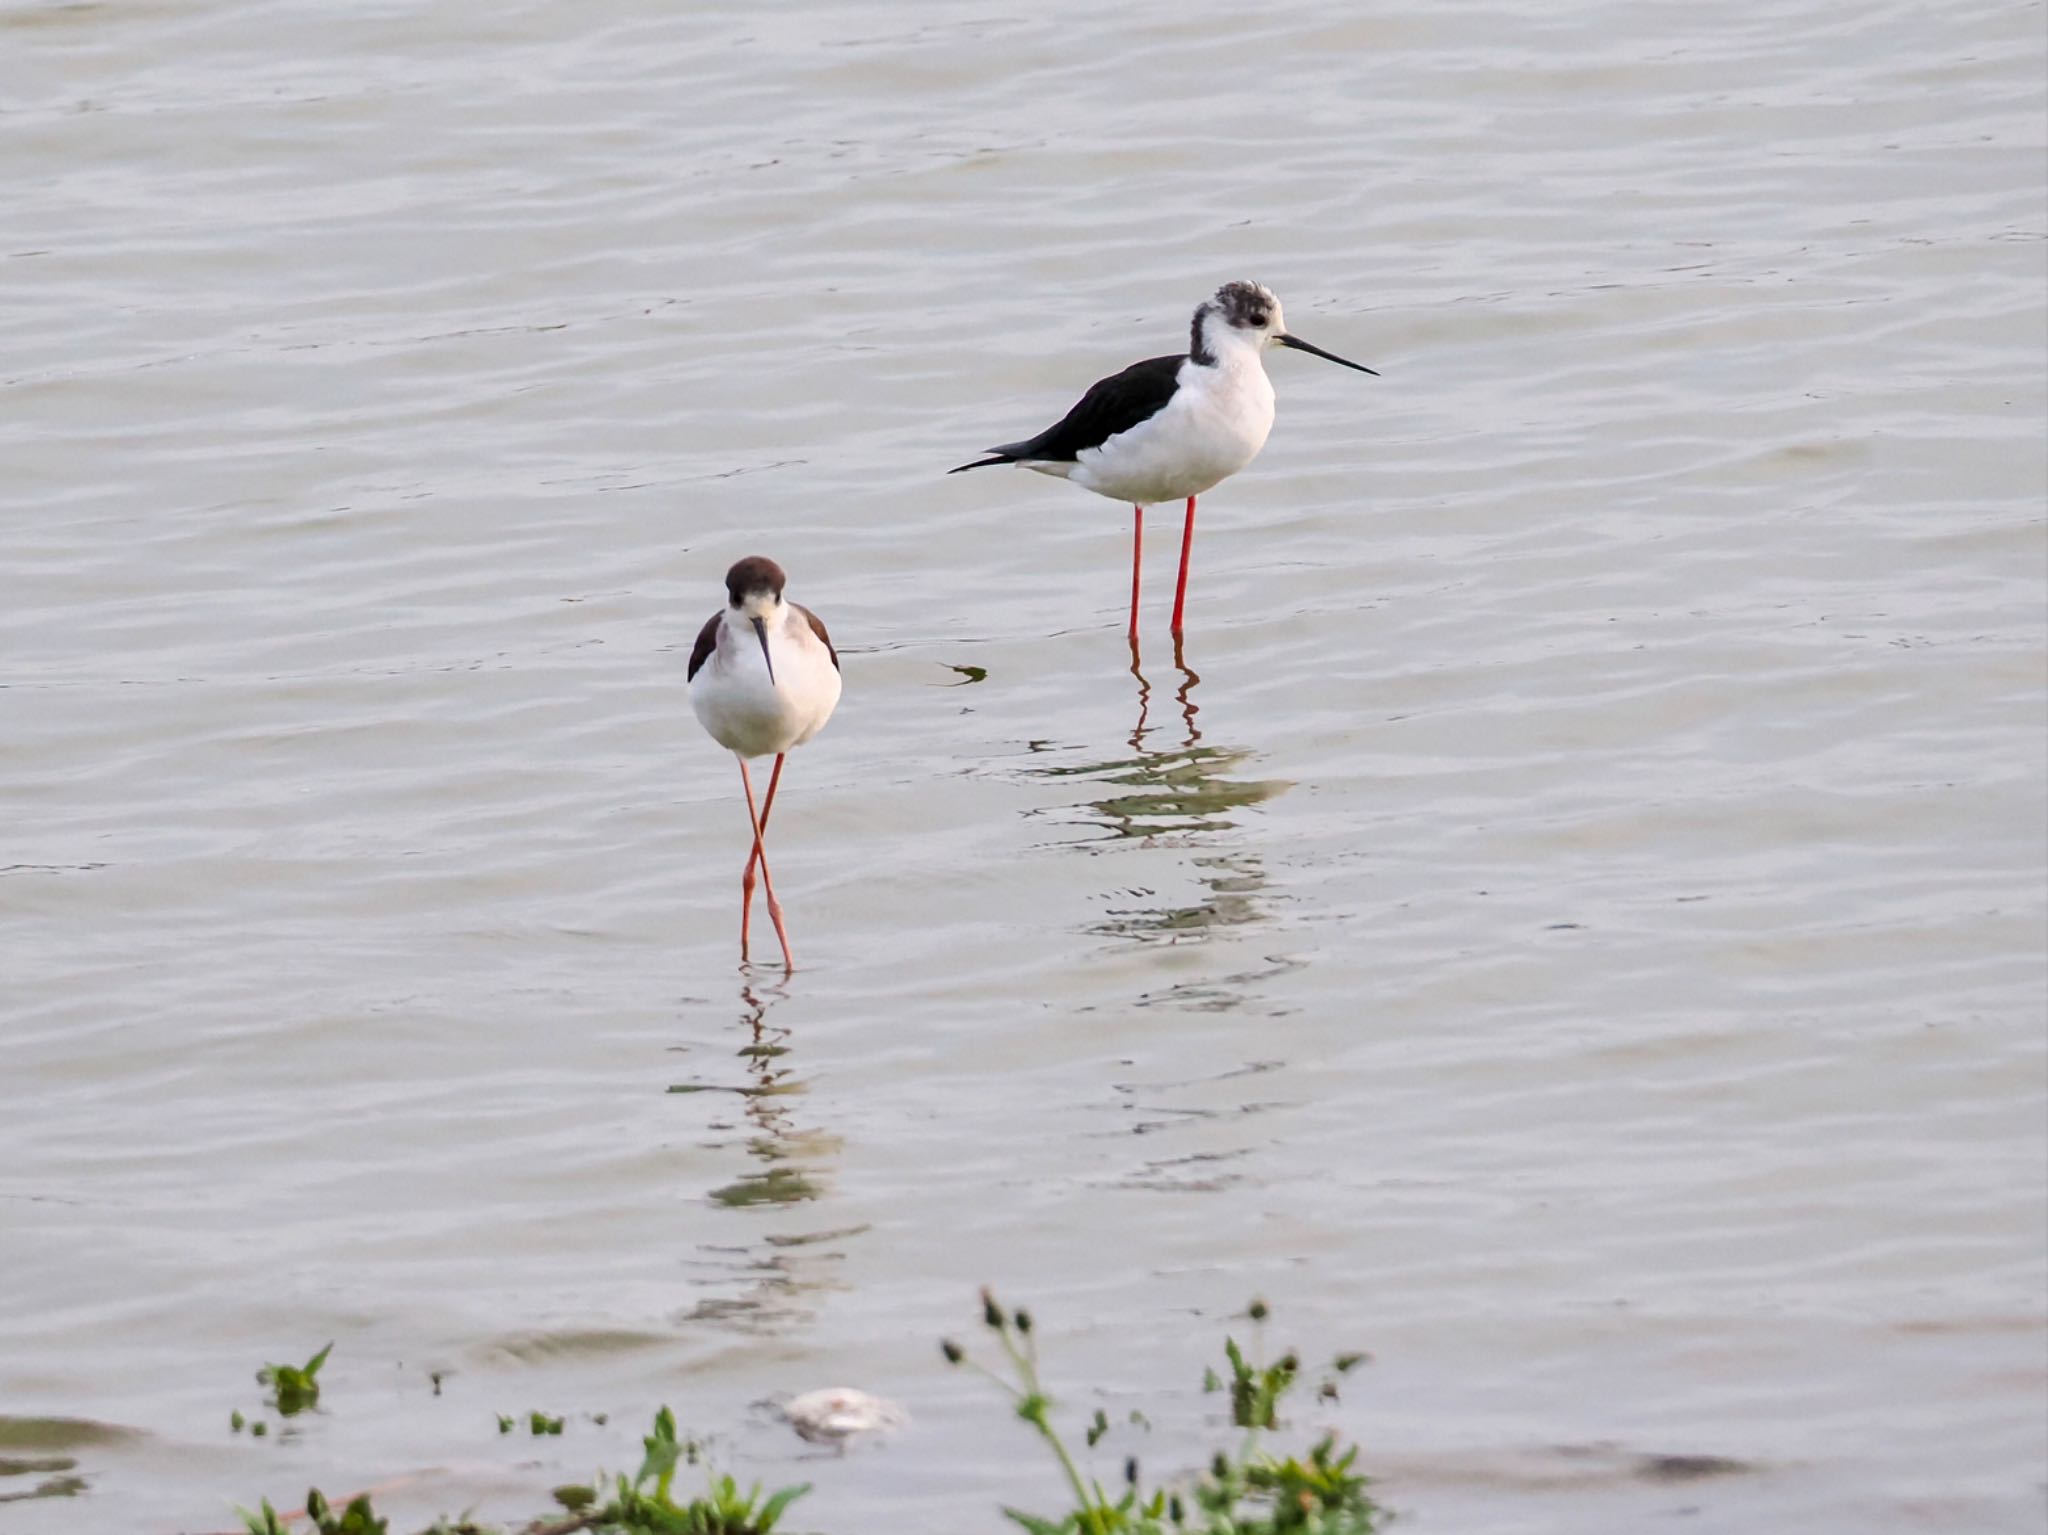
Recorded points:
1256,319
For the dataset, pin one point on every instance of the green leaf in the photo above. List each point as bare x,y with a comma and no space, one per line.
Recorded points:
659,1463
1037,1526
772,1510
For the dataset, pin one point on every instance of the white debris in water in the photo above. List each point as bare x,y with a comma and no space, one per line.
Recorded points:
840,1415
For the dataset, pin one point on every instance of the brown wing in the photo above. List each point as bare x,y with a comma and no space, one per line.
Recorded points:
707,641
818,628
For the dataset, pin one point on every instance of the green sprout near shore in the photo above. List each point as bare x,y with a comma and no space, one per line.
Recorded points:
645,1504
294,1388
1248,1489
358,1518
1249,1492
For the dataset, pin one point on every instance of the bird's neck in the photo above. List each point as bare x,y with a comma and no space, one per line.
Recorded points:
1217,345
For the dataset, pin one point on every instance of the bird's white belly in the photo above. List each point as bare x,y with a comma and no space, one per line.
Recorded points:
1200,439
745,713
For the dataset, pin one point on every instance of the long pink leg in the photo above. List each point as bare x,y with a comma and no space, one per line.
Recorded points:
1137,564
1187,545
767,809
767,881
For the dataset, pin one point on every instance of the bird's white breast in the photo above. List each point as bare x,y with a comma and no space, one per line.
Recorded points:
1214,425
747,713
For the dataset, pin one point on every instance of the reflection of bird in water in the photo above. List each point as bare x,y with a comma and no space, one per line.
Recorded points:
1184,792
1184,695
792,1164
789,1156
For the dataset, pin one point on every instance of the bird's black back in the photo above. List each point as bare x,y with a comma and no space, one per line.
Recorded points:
1112,405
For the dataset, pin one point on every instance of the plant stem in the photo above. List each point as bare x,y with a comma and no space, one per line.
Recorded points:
1027,1371
1086,1504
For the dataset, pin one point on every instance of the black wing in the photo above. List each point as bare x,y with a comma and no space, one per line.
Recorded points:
1114,404
818,628
707,641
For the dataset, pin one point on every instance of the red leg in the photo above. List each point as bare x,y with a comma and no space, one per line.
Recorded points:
759,853
767,809
1187,545
1137,564
753,852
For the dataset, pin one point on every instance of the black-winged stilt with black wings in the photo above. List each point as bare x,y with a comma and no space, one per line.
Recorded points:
1172,427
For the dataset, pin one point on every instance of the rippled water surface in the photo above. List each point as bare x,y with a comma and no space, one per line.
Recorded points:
1570,923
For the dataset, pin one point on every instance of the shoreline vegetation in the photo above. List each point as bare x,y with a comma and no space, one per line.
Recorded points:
1246,1487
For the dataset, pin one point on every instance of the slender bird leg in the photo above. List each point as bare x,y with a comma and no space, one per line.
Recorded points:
759,853
1187,545
767,809
753,852
1137,564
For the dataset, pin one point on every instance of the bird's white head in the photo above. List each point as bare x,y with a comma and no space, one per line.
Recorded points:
1238,314
1246,315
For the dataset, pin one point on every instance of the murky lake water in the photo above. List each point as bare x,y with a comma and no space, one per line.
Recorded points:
1574,926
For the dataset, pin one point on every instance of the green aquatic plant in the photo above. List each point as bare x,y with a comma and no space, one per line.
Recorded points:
64,1486
1248,1491
294,1388
358,1518
644,1504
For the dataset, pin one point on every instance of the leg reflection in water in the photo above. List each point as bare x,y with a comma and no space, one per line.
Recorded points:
770,1271
1184,695
1185,795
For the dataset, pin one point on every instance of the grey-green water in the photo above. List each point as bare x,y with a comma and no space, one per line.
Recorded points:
1575,928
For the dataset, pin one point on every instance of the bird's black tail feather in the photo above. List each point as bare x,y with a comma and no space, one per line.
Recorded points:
996,456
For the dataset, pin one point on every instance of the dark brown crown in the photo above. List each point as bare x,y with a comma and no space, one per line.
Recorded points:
755,573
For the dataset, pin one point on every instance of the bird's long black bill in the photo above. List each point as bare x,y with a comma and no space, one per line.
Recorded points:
1315,351
761,634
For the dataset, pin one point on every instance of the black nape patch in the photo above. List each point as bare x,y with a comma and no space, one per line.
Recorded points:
755,573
